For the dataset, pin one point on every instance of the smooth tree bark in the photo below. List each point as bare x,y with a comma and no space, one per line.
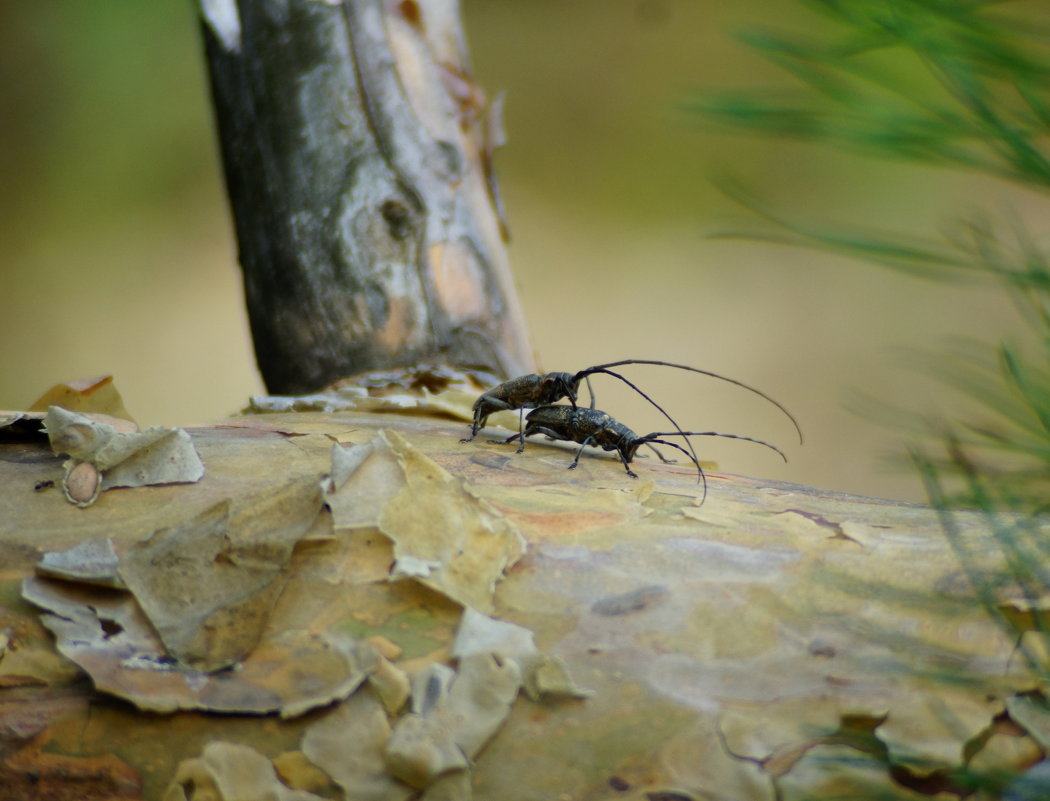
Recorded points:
357,154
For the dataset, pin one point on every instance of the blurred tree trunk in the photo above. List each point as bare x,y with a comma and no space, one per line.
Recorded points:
357,154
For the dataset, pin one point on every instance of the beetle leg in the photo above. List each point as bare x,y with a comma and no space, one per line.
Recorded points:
583,445
526,433
660,455
483,407
520,436
521,429
626,467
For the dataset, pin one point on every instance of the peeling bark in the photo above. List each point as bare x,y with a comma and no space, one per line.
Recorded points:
774,642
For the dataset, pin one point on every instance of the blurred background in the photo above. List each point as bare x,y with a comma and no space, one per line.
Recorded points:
118,254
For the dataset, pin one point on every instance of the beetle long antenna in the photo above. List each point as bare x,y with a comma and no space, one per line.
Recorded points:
637,389
603,368
650,438
692,458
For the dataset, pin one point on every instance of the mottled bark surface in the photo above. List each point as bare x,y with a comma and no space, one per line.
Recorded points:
357,155
776,642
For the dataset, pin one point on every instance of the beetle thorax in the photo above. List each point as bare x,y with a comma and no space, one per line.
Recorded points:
556,386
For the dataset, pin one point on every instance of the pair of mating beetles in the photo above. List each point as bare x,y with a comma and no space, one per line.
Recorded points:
590,426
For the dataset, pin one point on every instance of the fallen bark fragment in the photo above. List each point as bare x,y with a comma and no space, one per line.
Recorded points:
106,634
114,459
349,744
231,772
454,719
208,585
445,537
92,561
542,675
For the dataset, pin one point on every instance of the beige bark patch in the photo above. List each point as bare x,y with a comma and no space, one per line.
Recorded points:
444,536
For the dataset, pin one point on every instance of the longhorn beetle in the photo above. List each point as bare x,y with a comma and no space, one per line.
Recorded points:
597,428
532,391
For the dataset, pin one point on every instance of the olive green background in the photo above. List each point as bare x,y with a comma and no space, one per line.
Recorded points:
118,256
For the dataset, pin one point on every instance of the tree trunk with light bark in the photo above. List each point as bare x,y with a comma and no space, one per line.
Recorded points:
357,153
